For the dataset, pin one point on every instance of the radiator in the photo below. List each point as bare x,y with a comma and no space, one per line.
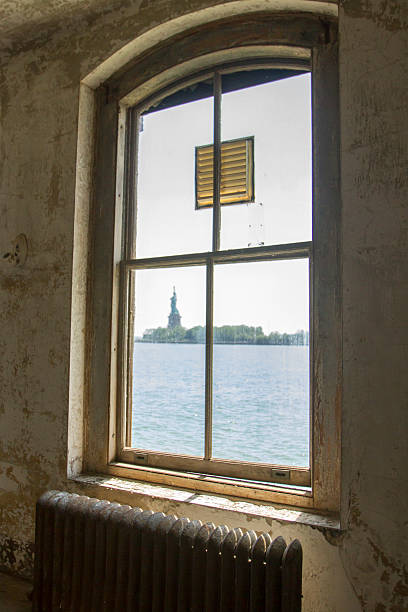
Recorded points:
96,556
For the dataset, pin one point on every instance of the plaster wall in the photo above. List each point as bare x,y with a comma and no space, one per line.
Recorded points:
364,567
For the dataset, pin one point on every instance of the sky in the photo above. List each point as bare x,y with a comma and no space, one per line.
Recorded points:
273,295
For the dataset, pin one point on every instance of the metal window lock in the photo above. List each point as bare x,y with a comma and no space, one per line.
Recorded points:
281,473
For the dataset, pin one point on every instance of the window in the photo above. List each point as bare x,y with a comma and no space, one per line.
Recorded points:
207,190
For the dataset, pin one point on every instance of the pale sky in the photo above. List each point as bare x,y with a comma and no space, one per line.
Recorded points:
273,295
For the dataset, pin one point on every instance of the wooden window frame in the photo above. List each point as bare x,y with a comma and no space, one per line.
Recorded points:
289,41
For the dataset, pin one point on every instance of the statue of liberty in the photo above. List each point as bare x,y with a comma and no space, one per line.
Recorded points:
174,316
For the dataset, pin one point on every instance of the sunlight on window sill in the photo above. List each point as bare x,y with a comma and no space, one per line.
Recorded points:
148,495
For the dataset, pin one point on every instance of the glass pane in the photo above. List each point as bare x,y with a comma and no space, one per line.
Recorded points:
167,220
278,116
261,362
169,360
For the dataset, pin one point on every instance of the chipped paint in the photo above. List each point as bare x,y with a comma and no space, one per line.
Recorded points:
388,14
16,555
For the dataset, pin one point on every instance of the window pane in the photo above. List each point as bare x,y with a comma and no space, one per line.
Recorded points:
169,360
278,116
167,220
261,362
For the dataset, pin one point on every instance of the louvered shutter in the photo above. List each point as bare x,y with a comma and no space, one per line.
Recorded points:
237,172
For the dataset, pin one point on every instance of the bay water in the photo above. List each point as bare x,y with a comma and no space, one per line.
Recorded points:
260,401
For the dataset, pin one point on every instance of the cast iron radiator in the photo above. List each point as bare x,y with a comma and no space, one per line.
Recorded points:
97,556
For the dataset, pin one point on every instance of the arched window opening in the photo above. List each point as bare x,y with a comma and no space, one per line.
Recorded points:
224,330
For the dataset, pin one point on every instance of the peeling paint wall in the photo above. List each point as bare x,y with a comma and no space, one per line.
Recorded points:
373,85
40,73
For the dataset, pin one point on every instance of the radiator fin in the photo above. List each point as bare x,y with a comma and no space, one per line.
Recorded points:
97,556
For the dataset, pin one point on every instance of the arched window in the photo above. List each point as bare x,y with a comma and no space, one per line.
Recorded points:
217,194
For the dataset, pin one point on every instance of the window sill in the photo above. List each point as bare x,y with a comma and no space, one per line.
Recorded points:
200,505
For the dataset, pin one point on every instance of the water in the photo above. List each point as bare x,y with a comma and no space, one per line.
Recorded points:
260,401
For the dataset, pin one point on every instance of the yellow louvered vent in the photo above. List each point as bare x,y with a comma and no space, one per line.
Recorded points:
237,172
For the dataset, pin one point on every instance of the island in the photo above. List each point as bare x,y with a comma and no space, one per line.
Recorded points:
225,334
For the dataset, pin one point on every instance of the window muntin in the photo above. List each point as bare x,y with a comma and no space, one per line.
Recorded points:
172,257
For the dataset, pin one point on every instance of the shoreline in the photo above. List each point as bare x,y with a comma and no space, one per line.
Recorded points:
140,341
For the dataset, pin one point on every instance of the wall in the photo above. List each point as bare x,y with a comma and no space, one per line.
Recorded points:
374,60
364,568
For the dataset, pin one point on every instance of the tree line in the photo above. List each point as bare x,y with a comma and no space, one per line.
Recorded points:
226,334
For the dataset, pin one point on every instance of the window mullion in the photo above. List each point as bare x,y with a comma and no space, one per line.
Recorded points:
210,267
217,162
209,358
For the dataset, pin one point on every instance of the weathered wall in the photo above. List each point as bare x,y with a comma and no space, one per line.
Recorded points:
363,569
374,62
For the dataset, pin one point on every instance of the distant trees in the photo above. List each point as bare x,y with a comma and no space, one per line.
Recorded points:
226,334
196,335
